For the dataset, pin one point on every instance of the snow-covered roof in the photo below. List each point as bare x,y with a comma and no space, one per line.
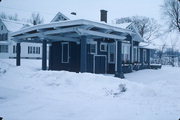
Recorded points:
13,26
147,45
123,25
69,23
137,36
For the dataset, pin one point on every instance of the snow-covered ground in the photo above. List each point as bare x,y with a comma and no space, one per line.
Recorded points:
28,93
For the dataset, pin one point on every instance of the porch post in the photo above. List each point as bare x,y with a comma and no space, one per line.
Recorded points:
50,62
18,54
44,54
83,49
119,71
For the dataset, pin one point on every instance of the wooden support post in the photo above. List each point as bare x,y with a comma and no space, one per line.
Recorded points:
50,57
44,55
18,54
119,71
83,45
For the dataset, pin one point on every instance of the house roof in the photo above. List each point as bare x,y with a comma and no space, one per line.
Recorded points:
13,26
147,45
71,23
72,29
132,27
62,17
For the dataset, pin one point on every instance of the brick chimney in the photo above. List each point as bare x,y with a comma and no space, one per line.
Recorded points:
104,15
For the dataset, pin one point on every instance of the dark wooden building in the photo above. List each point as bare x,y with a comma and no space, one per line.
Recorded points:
87,46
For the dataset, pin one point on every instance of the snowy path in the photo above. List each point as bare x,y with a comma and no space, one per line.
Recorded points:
27,93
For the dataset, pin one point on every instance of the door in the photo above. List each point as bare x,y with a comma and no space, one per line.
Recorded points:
100,64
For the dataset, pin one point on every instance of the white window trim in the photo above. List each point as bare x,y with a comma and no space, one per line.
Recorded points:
63,51
139,55
144,55
135,47
114,53
105,44
124,46
93,43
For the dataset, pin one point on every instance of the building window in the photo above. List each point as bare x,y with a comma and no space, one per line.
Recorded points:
37,50
33,50
6,36
103,47
135,54
139,55
126,53
65,53
29,50
14,49
2,37
112,51
144,55
3,48
93,48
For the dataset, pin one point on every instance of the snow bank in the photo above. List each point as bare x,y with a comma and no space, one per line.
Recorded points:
27,93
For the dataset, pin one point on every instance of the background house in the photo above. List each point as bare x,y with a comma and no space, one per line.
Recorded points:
8,47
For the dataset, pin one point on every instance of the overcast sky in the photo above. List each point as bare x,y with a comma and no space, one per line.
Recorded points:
87,9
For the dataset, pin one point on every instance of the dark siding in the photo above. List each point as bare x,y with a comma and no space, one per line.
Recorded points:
111,68
56,54
89,60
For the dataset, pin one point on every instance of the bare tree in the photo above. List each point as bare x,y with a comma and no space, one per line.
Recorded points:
161,50
173,46
147,27
171,11
3,15
13,17
36,19
9,17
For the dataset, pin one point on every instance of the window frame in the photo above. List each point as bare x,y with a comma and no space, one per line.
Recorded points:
105,46
62,52
4,49
135,54
95,48
126,51
109,53
14,49
144,55
139,55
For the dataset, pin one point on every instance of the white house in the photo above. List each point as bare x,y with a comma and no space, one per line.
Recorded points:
8,47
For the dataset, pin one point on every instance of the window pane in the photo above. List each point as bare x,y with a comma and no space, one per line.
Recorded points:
92,48
3,48
112,53
34,50
65,53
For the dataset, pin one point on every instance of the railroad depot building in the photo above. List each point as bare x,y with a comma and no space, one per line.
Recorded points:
86,46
